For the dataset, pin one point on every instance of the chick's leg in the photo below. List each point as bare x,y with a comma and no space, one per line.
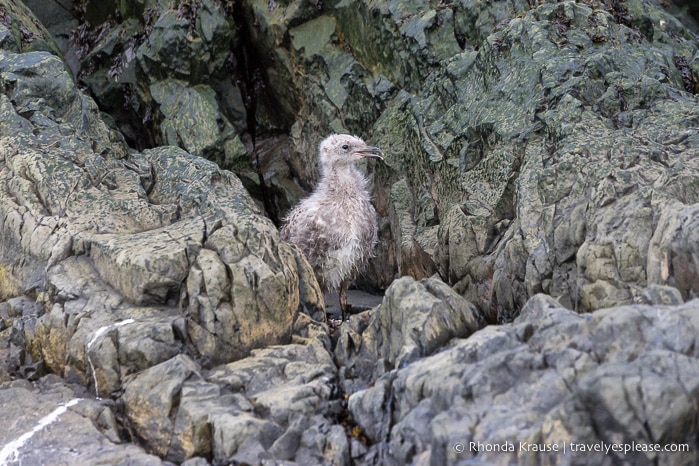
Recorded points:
343,299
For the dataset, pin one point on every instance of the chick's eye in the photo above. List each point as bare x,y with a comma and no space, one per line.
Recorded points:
345,146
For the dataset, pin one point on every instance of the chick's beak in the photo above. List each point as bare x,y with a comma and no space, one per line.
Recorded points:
370,152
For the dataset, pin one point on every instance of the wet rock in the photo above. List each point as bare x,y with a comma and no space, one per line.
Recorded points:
556,376
248,67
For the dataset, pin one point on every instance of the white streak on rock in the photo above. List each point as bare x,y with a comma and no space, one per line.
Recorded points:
10,452
101,331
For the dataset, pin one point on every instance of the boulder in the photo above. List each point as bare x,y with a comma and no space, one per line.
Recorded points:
415,319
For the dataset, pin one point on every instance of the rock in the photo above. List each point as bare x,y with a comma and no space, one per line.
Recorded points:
540,160
412,258
192,120
151,399
555,376
671,253
51,423
184,49
271,405
196,461
663,295
23,33
201,32
154,261
59,22
109,317
421,41
414,320
108,241
537,169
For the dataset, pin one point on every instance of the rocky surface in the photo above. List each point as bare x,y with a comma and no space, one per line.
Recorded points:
548,154
553,377
272,404
49,423
541,177
414,320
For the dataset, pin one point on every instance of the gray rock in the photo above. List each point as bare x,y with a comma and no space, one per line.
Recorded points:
59,22
118,316
147,267
660,294
555,377
672,254
414,320
412,258
193,120
421,39
530,148
108,242
151,400
51,424
538,167
268,406
27,35
183,52
171,49
197,461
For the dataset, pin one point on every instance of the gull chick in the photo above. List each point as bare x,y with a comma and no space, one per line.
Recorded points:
336,226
